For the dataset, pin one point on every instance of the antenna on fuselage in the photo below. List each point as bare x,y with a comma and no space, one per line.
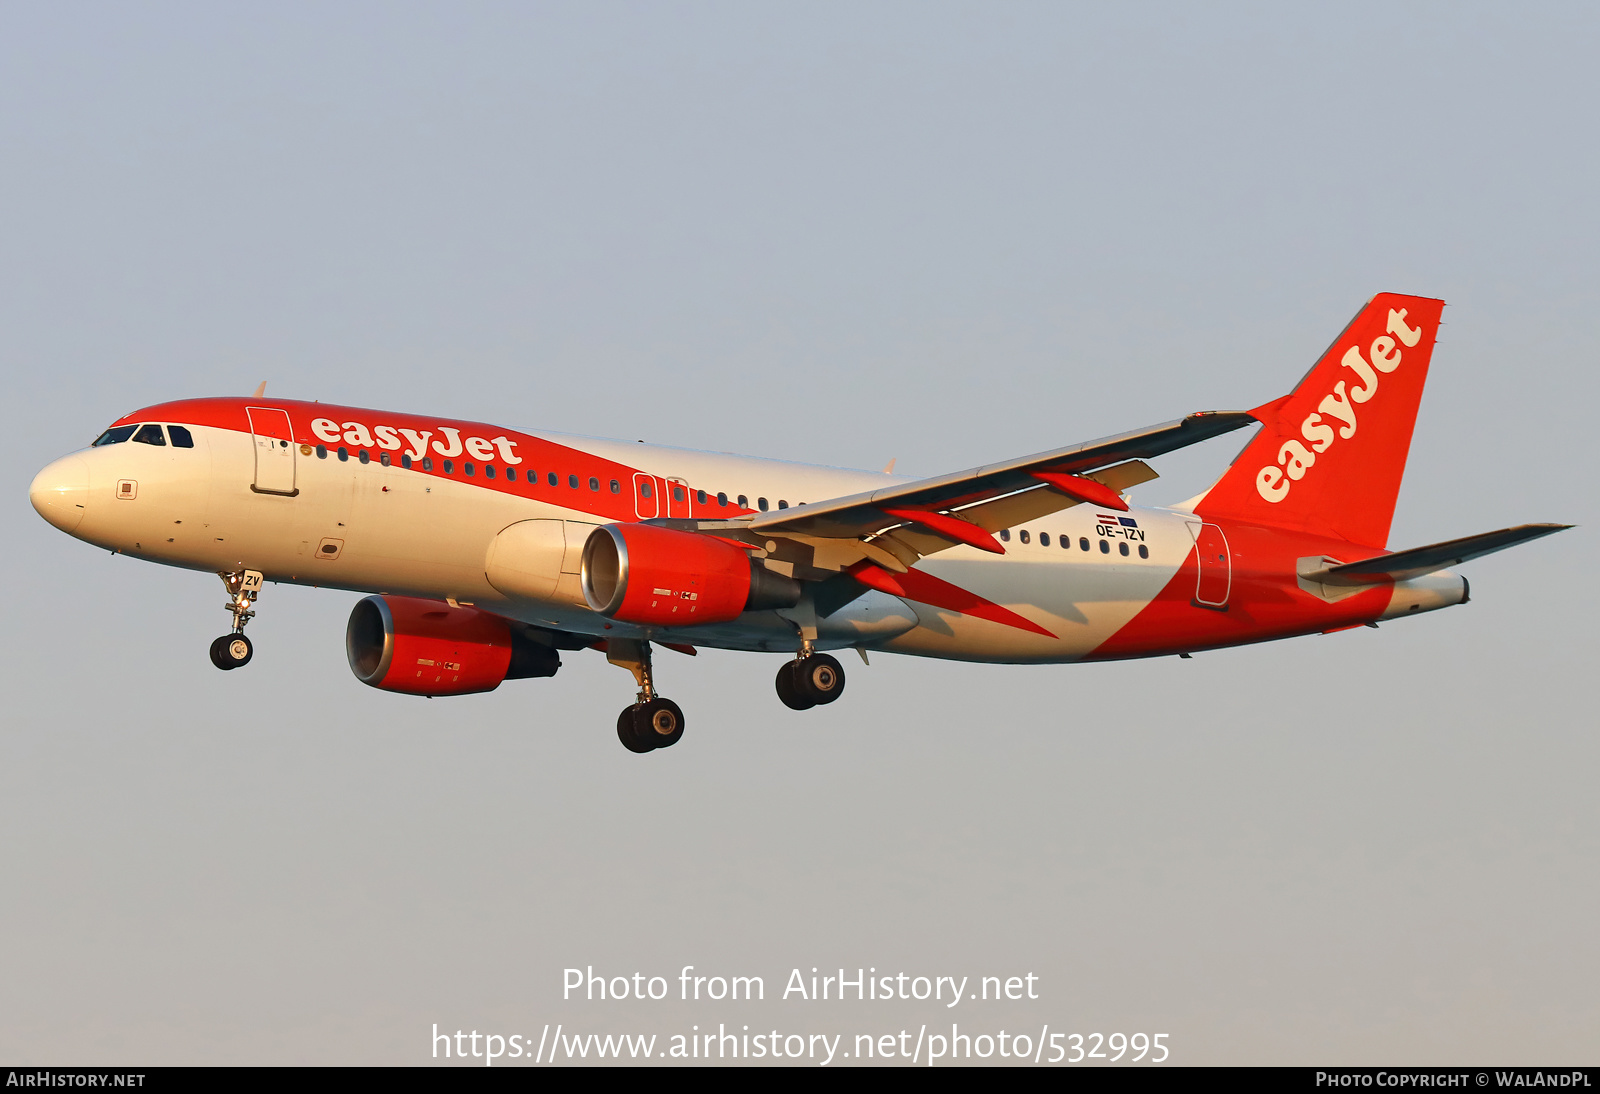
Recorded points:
261,389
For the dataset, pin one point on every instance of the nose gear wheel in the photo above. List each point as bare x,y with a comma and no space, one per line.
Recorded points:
231,651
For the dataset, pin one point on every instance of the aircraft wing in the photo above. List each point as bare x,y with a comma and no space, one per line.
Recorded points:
1425,560
909,520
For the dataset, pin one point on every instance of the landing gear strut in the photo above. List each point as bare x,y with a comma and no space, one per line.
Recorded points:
233,650
652,722
812,679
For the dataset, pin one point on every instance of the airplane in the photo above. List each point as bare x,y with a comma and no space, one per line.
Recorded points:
486,552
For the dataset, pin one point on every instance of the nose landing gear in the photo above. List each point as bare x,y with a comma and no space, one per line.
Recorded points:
234,650
652,722
812,679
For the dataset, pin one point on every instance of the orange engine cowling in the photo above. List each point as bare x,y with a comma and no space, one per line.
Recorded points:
639,573
426,647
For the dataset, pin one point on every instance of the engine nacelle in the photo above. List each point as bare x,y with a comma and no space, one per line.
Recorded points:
426,647
639,573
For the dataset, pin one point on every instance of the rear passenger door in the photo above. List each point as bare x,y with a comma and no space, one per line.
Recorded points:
1215,577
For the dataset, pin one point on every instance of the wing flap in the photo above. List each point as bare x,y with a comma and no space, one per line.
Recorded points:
1019,508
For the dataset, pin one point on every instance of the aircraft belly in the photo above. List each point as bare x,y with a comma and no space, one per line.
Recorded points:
869,621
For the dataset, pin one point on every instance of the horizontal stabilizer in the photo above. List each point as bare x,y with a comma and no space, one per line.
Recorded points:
1425,560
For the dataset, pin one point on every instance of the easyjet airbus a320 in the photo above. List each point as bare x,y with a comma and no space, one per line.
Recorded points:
487,552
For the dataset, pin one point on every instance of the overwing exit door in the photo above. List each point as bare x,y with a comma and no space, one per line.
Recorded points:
678,498
273,438
1216,569
645,503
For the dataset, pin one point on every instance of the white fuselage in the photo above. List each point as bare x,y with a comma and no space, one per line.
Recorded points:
372,528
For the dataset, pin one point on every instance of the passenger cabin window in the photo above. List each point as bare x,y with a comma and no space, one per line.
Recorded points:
322,451
700,496
1083,542
488,470
744,502
572,481
722,499
384,459
1005,535
511,474
115,435
448,467
405,460
762,503
677,493
344,453
782,504
1023,535
1122,549
616,487
361,455
1105,546
468,470
1044,539
150,434
1144,552
181,437
553,479
644,488
427,463
594,484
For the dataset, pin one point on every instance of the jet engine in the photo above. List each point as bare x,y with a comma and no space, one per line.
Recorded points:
426,647
640,573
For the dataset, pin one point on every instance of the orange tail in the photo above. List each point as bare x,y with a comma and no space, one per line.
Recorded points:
1330,456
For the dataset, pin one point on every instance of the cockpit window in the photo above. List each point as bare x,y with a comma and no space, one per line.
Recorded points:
115,435
150,434
181,437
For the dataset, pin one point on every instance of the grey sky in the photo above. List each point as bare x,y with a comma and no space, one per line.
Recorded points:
838,233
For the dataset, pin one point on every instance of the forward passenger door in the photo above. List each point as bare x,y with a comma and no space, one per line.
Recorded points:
273,439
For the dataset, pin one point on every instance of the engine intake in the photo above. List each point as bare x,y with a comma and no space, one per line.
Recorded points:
639,573
425,647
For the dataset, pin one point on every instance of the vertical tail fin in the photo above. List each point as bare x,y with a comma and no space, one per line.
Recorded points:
1330,456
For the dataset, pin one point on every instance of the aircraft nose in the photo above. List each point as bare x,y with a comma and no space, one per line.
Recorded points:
60,492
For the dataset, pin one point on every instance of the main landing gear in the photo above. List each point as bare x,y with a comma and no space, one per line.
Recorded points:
233,650
652,722
812,679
